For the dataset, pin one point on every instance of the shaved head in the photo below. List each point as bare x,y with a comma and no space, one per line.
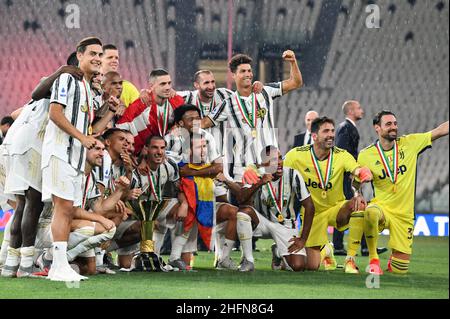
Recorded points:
353,110
348,106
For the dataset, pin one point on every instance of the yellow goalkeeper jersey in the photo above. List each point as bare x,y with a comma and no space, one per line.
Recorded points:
398,198
129,93
302,160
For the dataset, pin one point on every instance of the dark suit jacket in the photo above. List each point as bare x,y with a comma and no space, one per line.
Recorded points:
347,138
299,139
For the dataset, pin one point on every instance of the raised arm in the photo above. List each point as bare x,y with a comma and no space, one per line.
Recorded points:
296,80
43,89
439,132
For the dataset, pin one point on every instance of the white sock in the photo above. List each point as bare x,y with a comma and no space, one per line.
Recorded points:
13,258
60,254
245,233
5,243
227,248
158,241
99,254
27,254
329,249
220,241
90,243
177,246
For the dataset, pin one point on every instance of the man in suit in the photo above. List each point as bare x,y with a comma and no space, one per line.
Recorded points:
305,138
347,137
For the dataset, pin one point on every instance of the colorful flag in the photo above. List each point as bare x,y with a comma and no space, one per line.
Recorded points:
199,192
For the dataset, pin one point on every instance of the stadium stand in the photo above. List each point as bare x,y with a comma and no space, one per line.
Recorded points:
40,41
405,74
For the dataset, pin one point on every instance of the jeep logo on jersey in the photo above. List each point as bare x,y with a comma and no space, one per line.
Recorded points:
401,170
312,184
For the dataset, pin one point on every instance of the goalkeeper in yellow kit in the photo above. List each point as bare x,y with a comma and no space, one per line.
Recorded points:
322,166
393,161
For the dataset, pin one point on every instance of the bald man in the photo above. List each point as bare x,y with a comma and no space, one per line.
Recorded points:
305,138
347,138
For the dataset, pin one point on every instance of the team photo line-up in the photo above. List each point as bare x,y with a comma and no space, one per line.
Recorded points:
91,166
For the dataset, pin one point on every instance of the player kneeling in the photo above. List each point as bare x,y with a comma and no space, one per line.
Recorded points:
273,197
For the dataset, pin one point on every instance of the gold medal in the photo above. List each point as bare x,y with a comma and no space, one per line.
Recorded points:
324,194
254,133
90,130
280,218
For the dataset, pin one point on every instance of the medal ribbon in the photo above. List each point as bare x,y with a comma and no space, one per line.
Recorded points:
278,201
243,109
202,108
153,183
323,183
90,110
86,189
164,120
393,175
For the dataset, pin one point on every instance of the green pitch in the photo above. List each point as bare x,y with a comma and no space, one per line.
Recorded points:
428,278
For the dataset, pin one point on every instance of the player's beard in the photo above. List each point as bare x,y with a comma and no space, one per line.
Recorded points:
390,137
205,95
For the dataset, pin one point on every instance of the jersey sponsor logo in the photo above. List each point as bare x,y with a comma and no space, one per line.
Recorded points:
63,93
307,170
401,170
313,184
378,163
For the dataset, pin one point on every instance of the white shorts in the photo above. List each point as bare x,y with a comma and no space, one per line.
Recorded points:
279,233
120,231
220,189
62,180
4,198
12,185
80,235
163,222
122,228
27,171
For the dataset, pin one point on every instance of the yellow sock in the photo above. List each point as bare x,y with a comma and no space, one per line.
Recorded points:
399,266
371,220
356,230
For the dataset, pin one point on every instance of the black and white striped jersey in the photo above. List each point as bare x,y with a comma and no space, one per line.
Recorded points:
294,188
248,144
221,94
77,99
